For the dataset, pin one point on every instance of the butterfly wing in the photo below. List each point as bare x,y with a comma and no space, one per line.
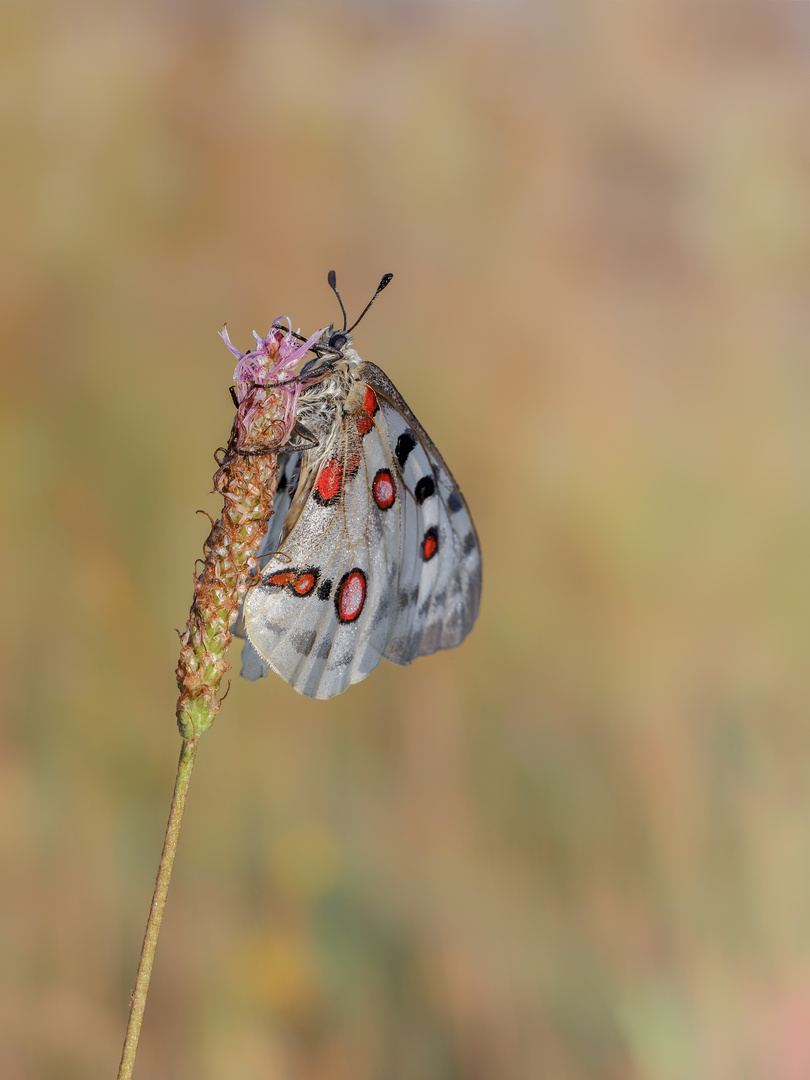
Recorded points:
289,466
289,469
315,617
439,578
381,558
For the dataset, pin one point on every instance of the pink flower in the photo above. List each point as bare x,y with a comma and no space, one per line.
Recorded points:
268,367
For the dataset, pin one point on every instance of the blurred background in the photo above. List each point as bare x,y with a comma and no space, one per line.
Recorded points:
577,847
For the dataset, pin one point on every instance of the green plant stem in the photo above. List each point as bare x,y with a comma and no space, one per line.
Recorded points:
184,767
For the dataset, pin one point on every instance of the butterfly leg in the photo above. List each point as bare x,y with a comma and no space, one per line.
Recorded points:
309,443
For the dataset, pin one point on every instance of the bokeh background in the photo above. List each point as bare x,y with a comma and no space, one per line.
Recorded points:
577,847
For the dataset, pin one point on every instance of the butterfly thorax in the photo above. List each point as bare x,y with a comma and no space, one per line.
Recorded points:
321,405
321,410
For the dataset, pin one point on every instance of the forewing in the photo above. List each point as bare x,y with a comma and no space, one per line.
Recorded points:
439,576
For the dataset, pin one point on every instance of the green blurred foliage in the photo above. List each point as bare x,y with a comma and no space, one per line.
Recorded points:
575,847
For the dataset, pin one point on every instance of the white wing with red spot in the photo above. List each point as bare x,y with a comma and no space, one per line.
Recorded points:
382,560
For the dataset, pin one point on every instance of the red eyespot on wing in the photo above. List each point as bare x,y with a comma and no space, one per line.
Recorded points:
327,487
350,596
282,578
383,489
305,582
301,582
430,543
370,406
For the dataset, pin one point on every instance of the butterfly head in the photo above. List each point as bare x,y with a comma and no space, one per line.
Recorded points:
338,340
333,343
334,349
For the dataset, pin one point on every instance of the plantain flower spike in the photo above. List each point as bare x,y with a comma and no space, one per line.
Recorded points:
266,394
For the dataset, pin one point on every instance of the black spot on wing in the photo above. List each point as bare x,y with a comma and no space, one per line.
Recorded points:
324,648
469,545
405,444
454,503
303,641
424,489
406,599
325,590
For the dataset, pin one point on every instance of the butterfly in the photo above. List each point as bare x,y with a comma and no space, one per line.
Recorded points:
372,549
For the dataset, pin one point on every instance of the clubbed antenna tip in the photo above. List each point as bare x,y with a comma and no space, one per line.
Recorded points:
384,281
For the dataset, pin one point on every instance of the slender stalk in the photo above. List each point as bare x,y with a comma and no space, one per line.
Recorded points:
266,395
150,938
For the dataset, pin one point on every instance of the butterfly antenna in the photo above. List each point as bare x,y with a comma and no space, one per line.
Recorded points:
332,279
386,280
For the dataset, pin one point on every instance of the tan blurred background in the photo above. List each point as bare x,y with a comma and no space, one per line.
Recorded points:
577,847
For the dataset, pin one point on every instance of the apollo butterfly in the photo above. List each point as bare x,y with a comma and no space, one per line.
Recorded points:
372,549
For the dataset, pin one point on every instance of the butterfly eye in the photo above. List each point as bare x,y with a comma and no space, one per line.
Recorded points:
337,341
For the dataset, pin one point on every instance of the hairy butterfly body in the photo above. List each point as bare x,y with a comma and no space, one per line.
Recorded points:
372,549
